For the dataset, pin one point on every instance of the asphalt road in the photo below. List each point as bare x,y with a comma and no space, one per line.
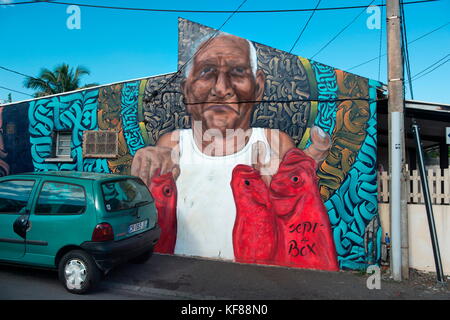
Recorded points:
19,283
167,277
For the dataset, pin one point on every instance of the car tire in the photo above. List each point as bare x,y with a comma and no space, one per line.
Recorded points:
78,272
143,258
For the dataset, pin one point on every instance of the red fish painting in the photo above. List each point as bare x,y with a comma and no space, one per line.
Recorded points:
254,232
164,191
304,231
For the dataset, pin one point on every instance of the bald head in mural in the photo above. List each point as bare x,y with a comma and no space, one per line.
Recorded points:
222,85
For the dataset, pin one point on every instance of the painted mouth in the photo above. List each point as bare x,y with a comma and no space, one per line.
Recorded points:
279,192
221,108
277,196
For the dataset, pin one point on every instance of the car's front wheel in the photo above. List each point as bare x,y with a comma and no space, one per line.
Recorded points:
78,272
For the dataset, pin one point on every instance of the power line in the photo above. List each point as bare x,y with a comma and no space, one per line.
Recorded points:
273,100
417,74
406,51
438,66
200,11
427,71
17,72
422,36
12,90
304,27
284,101
342,30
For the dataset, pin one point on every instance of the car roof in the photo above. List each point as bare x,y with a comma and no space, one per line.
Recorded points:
73,174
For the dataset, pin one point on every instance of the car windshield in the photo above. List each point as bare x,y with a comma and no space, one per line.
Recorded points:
125,194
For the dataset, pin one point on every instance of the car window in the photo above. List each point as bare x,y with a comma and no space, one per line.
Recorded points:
14,195
61,198
125,194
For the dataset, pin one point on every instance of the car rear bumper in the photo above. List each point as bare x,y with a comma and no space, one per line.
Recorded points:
111,253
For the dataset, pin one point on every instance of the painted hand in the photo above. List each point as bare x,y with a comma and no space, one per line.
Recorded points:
266,169
148,160
320,145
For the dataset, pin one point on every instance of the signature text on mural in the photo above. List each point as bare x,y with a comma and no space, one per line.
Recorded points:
302,247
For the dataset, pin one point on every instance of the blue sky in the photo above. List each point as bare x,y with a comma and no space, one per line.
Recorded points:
118,45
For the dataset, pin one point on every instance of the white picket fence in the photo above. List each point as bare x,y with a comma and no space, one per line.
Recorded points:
438,183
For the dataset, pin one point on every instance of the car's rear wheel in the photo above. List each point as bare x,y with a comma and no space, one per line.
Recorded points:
78,272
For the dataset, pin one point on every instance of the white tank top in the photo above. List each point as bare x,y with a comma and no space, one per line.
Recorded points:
205,206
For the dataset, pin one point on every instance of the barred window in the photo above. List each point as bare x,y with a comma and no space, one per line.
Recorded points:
100,144
63,141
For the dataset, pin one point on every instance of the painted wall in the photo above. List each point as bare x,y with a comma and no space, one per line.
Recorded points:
420,248
298,94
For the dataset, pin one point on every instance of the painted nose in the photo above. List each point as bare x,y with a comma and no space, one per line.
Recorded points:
278,185
222,88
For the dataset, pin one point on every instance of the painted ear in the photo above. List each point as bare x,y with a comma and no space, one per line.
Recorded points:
183,86
260,82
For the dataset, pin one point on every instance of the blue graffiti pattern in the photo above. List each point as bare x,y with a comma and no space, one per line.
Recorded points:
131,130
76,113
354,205
327,89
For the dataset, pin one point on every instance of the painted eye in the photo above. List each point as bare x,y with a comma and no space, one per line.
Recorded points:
247,183
167,191
295,179
205,71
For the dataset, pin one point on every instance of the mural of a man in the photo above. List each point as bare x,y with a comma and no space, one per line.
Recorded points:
221,87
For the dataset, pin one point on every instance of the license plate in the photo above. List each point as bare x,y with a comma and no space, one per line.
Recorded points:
137,226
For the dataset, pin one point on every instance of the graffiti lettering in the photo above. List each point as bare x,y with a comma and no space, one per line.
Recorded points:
75,112
131,130
304,227
295,251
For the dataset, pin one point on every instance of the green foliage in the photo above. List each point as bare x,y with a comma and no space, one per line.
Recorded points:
62,79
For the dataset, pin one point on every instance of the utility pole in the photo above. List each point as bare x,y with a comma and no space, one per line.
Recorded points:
396,134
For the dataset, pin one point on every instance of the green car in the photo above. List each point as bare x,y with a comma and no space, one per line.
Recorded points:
80,223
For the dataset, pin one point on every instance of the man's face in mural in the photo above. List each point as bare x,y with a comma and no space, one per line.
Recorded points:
221,76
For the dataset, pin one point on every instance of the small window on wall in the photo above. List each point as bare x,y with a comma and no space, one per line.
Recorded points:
63,141
61,149
100,144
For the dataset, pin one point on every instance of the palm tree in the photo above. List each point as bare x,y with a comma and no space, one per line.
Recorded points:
62,79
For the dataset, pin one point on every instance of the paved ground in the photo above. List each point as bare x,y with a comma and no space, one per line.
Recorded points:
166,277
18,283
194,278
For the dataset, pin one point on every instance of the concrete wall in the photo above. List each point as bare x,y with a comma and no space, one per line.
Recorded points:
420,249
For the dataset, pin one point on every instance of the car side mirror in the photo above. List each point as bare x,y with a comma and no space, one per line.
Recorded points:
21,225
